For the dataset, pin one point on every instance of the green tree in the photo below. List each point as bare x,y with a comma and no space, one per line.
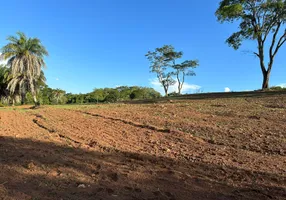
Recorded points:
59,96
4,93
79,99
3,81
26,59
260,20
181,69
46,95
112,96
132,95
70,98
125,91
98,95
5,96
150,93
137,94
159,64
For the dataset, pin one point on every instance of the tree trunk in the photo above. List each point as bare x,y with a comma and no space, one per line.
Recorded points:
179,84
23,96
180,87
266,76
35,100
166,91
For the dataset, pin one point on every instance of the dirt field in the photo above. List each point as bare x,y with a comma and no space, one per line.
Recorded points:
217,149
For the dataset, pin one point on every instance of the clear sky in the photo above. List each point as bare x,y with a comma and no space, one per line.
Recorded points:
102,43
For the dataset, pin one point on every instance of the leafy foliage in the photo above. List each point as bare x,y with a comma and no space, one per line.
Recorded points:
165,57
277,88
159,63
260,20
122,93
3,81
25,59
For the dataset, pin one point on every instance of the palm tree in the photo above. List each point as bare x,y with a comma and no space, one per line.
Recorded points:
3,81
5,95
26,59
19,84
58,95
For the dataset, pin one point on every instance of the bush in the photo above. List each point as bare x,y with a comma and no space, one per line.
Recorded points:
173,94
112,97
277,88
132,96
1,105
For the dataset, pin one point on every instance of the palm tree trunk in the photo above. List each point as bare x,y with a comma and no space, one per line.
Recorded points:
13,99
35,100
23,96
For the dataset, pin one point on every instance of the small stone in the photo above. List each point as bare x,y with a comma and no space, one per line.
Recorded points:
168,150
53,173
31,165
81,186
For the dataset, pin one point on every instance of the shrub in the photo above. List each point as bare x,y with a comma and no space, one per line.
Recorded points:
173,94
112,96
277,88
132,96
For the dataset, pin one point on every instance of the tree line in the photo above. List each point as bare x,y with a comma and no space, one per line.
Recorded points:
111,95
49,96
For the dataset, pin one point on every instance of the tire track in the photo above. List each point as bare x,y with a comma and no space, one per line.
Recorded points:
91,144
51,130
144,126
153,128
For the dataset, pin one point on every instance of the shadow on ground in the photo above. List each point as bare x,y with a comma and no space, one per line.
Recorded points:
39,170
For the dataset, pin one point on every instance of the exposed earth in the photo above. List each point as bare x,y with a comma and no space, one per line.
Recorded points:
214,149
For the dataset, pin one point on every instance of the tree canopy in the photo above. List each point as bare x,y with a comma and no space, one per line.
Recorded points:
163,62
259,20
25,59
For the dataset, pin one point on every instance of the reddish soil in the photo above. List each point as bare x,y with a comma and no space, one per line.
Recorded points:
231,148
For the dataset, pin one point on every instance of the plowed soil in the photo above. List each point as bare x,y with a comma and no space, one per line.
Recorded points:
232,148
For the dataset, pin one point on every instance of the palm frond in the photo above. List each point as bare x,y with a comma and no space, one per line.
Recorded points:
25,59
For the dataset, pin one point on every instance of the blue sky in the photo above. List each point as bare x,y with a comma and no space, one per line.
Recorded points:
102,43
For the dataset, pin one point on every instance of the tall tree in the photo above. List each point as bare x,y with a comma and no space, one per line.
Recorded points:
26,59
59,96
181,69
260,20
159,64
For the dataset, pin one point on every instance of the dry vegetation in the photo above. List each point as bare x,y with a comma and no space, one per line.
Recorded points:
229,148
